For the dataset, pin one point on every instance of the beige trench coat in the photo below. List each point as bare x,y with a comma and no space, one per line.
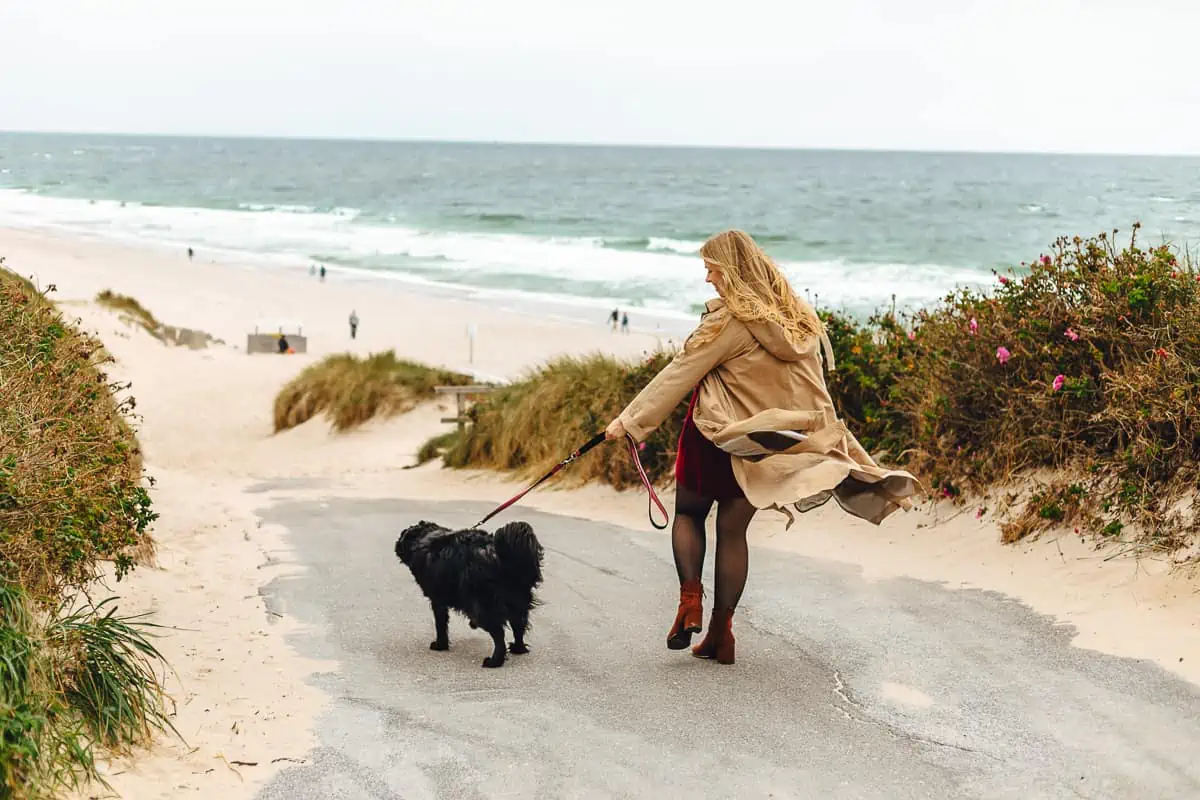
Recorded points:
764,401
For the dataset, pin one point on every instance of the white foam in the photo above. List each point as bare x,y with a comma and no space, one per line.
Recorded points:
667,277
674,245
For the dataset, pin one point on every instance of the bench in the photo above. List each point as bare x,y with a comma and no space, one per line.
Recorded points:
461,393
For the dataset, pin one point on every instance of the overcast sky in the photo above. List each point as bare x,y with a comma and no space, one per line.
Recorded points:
1057,75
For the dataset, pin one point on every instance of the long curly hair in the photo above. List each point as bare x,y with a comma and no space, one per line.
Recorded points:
755,290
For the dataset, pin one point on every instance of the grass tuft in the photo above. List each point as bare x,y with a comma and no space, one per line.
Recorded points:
131,308
352,390
110,677
70,680
530,425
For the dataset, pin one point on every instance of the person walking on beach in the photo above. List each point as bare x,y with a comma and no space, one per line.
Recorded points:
353,323
283,344
190,253
322,273
612,319
761,432
625,322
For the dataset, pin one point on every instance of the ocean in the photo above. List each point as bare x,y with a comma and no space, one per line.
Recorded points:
595,227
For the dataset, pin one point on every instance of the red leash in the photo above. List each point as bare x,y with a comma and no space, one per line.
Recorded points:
566,462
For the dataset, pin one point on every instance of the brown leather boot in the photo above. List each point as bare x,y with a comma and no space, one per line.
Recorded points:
718,642
689,617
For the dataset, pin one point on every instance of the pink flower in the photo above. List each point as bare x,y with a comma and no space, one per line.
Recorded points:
979,513
642,446
1002,354
912,335
1059,380
973,326
1072,335
1046,260
1003,281
946,492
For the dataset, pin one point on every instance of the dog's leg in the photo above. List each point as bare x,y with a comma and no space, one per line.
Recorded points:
496,659
441,621
519,621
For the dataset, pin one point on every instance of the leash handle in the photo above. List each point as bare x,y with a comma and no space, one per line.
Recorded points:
652,500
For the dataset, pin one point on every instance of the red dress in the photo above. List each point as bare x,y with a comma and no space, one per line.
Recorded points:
700,465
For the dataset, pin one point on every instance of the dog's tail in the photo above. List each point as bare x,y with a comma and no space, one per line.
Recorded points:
519,553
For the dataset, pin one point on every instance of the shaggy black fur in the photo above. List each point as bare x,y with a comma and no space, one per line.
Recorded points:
488,578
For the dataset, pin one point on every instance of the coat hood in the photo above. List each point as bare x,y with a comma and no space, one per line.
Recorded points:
771,336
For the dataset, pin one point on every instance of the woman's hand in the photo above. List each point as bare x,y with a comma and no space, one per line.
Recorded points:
615,430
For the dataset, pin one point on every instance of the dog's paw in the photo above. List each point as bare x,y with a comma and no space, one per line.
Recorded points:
518,649
436,645
492,663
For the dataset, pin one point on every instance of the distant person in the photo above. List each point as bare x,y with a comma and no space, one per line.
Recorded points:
322,273
283,344
353,324
625,323
312,269
612,318
190,253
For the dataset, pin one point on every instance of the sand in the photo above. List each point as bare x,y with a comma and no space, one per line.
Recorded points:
240,692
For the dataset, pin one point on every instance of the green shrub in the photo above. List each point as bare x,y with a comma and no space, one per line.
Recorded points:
1099,376
72,490
72,675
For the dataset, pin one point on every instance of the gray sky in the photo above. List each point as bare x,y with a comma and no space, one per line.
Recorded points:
1060,75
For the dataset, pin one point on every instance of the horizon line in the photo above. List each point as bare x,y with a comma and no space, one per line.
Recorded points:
631,145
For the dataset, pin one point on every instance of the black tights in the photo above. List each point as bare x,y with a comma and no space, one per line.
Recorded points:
688,542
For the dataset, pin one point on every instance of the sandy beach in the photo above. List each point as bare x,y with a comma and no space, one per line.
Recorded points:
241,693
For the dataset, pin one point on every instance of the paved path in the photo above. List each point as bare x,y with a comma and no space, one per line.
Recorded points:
843,688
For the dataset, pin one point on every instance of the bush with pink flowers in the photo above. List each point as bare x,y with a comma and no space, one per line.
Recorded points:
1088,364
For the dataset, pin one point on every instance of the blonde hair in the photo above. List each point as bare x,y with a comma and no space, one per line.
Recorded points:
755,290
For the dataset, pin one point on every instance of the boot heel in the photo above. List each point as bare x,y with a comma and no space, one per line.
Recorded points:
689,616
718,645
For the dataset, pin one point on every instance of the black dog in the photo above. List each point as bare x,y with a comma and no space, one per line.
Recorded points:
488,578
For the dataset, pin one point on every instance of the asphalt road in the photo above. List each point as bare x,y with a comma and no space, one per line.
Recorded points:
843,688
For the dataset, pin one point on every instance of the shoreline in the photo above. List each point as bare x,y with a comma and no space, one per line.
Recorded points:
666,324
207,435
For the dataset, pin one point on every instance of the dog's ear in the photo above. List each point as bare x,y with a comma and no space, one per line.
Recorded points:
411,536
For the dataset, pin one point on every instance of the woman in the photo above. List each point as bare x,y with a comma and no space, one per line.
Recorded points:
761,431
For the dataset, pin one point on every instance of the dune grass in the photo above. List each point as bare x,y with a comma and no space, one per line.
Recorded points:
530,425
73,675
1083,365
131,308
352,390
